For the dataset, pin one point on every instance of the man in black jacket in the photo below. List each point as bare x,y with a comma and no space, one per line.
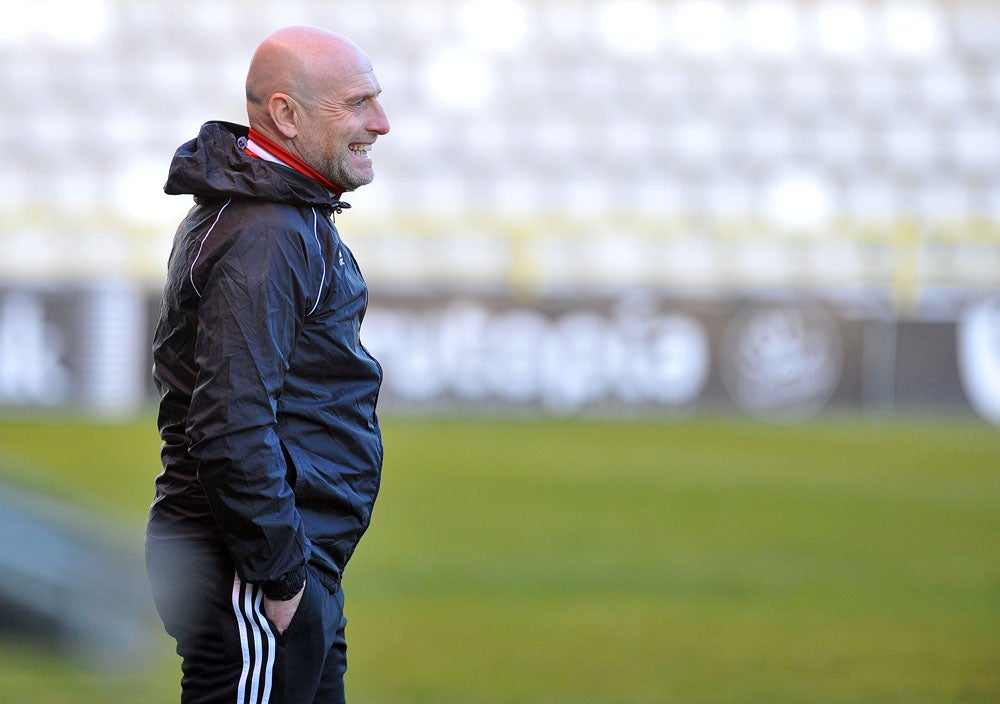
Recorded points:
272,452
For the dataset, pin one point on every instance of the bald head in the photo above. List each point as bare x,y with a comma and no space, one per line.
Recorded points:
295,61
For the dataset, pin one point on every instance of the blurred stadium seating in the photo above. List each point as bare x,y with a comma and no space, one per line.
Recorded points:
693,143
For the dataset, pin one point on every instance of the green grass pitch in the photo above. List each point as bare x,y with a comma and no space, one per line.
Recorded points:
707,560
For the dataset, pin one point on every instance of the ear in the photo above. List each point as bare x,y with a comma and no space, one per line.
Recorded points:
283,111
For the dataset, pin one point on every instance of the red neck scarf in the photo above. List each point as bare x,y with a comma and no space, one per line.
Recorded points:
290,160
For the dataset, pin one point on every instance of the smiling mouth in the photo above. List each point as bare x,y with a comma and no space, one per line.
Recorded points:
360,149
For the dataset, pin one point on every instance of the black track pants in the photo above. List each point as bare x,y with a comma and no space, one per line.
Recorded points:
230,652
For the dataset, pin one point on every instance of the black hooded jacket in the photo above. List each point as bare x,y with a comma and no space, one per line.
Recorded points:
271,442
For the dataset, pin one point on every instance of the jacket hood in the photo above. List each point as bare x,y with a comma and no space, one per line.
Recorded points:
213,166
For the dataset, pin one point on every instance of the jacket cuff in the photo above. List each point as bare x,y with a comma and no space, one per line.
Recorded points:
287,586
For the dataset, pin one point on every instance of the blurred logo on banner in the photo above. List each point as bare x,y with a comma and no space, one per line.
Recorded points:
979,356
31,347
781,362
469,352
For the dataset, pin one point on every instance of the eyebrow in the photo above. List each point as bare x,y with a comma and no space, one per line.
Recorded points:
363,95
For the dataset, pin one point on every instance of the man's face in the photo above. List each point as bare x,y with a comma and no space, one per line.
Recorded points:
340,125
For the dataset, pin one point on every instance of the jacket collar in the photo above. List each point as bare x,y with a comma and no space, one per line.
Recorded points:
260,146
214,166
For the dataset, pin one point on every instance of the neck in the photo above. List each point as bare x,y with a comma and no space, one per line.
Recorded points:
259,142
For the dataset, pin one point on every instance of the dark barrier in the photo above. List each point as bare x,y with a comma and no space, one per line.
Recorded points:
776,357
68,580
780,359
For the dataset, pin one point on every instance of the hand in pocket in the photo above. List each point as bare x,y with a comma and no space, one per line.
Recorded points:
281,613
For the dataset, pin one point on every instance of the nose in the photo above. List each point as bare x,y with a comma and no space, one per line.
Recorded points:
379,123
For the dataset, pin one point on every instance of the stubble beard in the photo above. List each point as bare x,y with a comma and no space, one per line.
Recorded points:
339,170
